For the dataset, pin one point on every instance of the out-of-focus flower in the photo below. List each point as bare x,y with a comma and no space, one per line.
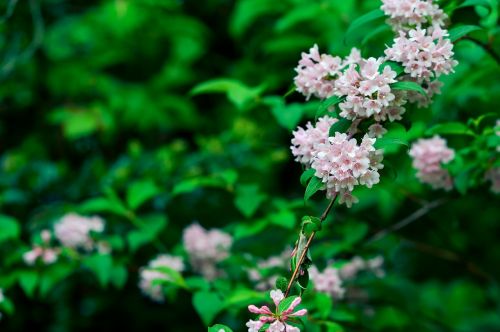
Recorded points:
274,262
428,155
277,320
328,281
409,13
493,175
74,231
352,268
47,254
151,276
206,249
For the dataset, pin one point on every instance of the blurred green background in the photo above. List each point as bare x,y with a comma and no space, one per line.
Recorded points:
97,96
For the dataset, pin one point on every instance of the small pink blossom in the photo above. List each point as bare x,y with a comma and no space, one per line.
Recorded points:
75,231
493,175
428,156
151,276
304,141
407,13
277,320
328,281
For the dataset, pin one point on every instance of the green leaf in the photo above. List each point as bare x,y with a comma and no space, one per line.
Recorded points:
450,128
208,305
283,218
9,228
326,106
101,265
332,327
313,186
306,176
285,303
469,3
324,304
248,199
151,226
28,280
281,283
303,280
218,328
174,277
310,224
141,191
361,21
237,92
52,276
242,297
287,116
458,32
408,86
340,126
385,142
119,276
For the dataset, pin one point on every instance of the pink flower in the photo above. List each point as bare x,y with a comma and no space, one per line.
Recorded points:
493,175
428,155
206,249
305,140
405,13
74,231
277,320
47,254
151,276
328,281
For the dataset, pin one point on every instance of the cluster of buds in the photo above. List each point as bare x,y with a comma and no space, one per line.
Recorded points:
156,273
44,252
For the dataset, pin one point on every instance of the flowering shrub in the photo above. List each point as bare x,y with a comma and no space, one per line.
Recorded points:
391,101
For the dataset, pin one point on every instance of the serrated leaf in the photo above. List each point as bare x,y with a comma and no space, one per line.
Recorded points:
408,86
458,32
313,186
141,191
362,21
208,305
450,128
340,126
306,176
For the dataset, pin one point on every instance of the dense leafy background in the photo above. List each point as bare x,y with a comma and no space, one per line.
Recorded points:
157,113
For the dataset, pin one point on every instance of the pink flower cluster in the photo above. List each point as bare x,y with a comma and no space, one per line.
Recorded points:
493,175
276,321
342,164
206,249
304,141
75,231
328,281
405,14
338,161
428,155
368,93
424,53
151,277
47,254
316,73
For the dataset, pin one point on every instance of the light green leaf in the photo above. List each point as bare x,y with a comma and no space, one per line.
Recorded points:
119,276
328,105
285,303
323,304
151,226
237,92
408,86
101,265
141,191
174,277
242,297
385,142
9,228
28,280
306,176
208,305
283,218
248,199
218,328
450,128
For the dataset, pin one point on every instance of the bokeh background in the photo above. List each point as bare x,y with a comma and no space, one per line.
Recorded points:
99,96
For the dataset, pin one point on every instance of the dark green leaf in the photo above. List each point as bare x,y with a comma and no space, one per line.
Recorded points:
340,126
28,281
395,66
208,305
139,192
285,303
303,280
9,228
450,128
327,105
101,265
313,186
306,176
218,328
248,199
361,21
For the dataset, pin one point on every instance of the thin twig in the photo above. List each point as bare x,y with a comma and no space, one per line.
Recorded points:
408,220
306,248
